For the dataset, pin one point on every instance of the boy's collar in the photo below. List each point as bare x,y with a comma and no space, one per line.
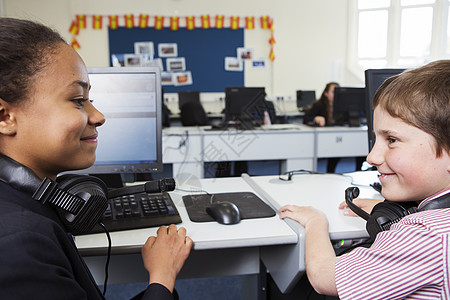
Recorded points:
428,203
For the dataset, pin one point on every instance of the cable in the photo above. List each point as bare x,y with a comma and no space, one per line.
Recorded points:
191,191
184,142
287,176
105,284
198,191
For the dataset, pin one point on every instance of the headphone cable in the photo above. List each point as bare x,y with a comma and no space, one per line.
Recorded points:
107,257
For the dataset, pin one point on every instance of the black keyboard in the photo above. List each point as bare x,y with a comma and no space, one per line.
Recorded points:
140,210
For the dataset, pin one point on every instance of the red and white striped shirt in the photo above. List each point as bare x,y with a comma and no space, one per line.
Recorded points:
410,261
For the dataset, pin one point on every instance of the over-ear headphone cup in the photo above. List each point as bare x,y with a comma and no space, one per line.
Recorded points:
383,213
88,188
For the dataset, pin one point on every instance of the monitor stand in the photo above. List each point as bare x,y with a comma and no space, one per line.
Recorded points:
353,119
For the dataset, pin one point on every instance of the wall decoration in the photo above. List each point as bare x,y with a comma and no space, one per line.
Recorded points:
144,48
244,53
203,50
233,64
182,78
176,64
167,50
143,20
259,63
132,60
166,78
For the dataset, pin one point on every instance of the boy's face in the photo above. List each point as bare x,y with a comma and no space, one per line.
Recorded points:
56,131
406,159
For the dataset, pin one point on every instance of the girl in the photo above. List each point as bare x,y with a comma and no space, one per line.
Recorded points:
48,125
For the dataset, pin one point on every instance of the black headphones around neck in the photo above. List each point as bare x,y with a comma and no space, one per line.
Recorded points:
80,200
387,213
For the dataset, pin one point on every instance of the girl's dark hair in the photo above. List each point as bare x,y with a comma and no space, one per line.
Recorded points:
25,48
324,100
327,88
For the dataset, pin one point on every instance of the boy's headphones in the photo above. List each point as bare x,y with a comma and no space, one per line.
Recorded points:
387,213
80,200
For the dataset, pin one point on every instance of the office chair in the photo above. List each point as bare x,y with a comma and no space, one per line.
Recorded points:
271,110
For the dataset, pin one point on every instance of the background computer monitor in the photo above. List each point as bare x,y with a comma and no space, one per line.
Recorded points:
374,78
130,140
349,106
305,98
188,96
245,104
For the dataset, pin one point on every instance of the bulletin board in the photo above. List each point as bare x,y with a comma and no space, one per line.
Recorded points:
204,52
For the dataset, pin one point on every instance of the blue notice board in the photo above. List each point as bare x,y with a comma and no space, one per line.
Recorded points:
203,49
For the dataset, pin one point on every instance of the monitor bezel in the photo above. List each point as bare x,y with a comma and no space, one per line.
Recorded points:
242,116
339,102
371,88
301,102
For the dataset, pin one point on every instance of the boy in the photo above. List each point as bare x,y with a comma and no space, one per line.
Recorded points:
412,154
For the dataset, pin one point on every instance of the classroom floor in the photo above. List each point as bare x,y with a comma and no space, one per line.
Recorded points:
218,288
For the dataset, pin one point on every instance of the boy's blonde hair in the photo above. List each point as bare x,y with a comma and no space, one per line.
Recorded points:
421,98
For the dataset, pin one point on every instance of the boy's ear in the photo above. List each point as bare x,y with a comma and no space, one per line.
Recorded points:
7,119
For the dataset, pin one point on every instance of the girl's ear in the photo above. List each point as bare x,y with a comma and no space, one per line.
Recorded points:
7,119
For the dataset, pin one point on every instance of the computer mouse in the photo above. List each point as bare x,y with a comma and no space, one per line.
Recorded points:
224,212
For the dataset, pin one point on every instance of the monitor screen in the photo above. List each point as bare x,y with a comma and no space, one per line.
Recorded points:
305,98
374,78
188,96
245,104
130,139
349,106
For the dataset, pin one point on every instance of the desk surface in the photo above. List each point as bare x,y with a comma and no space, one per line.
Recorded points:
210,235
324,192
278,243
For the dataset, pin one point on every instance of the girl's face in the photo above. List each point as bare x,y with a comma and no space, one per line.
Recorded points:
406,159
56,126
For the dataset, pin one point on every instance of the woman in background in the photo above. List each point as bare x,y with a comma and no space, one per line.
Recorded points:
320,113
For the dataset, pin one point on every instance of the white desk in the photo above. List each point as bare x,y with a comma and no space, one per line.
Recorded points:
341,141
218,249
297,146
293,144
183,148
237,249
324,192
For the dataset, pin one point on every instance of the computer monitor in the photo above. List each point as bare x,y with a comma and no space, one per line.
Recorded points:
130,140
349,106
245,104
374,78
188,96
305,98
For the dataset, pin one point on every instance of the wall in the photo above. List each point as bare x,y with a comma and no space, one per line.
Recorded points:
310,36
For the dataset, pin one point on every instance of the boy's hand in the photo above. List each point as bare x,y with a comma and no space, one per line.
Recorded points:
363,203
305,215
320,258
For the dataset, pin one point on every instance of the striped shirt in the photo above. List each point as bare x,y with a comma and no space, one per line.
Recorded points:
410,261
